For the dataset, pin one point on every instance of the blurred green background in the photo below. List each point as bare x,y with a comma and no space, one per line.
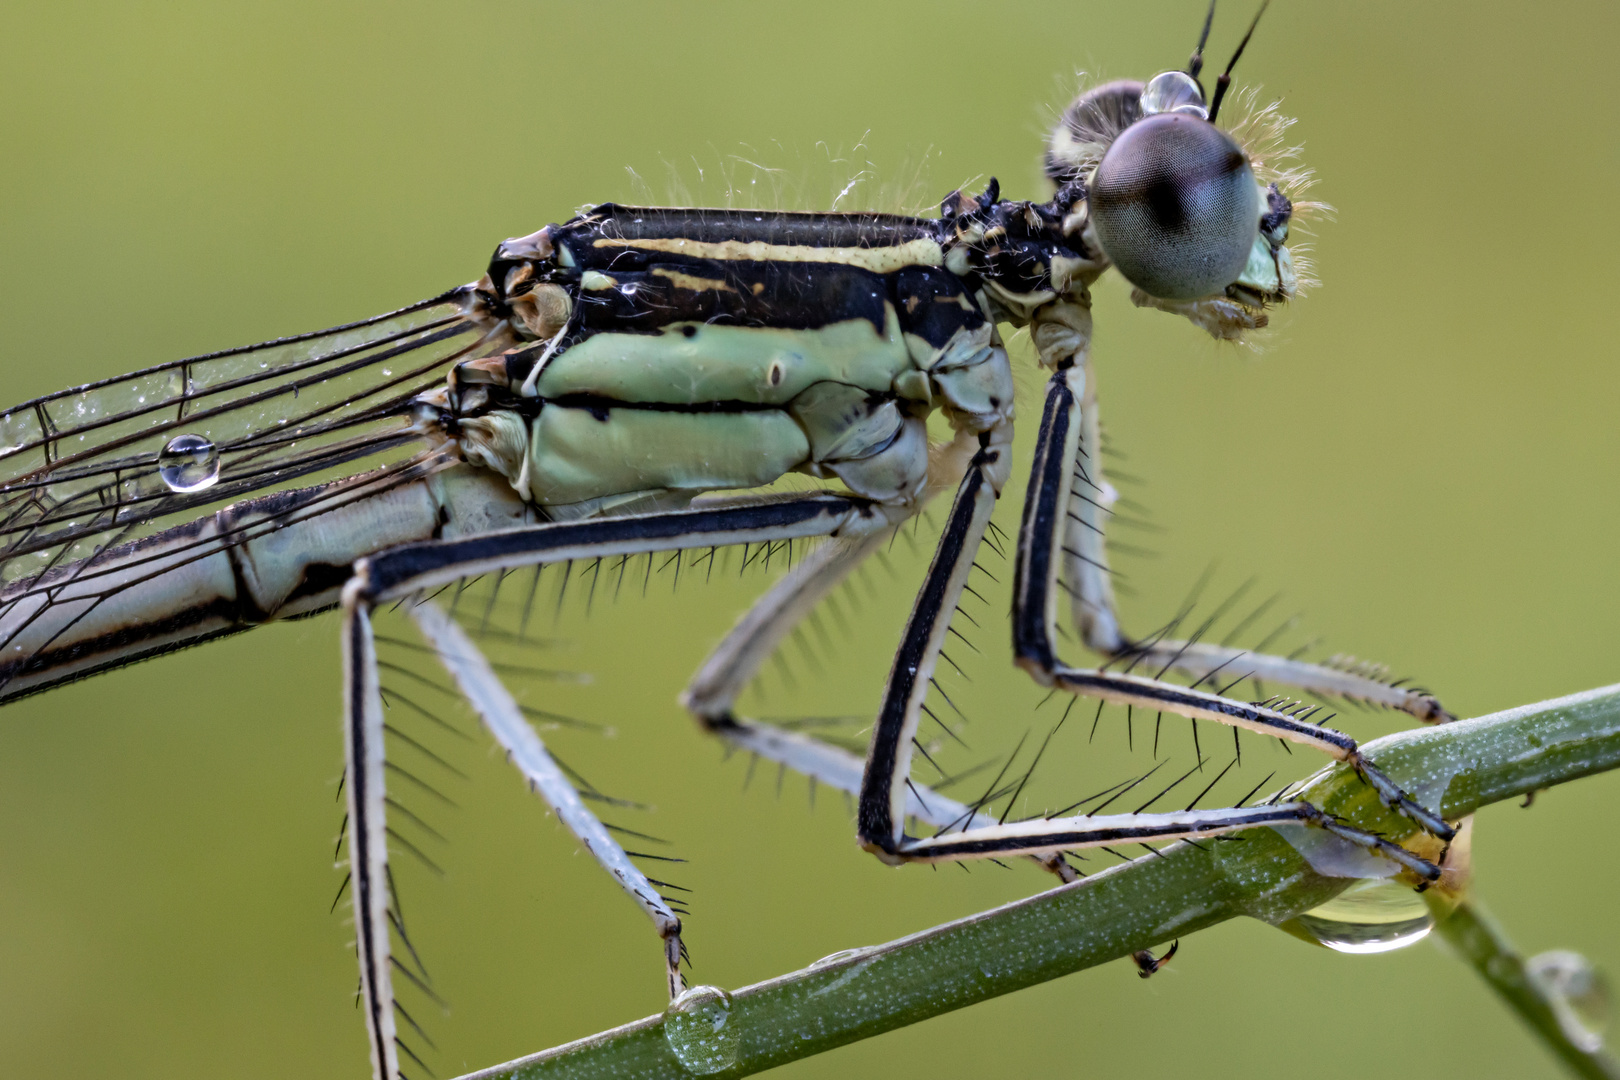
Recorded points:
1424,457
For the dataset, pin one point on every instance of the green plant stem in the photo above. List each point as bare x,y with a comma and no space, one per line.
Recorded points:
1478,940
1137,905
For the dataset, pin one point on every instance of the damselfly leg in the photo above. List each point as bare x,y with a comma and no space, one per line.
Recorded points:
884,798
403,574
1046,539
712,693
1086,579
887,797
882,815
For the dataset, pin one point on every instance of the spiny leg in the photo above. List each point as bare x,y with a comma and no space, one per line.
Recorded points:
368,828
1087,576
1039,835
837,768
527,752
1045,527
712,693
738,657
882,808
410,568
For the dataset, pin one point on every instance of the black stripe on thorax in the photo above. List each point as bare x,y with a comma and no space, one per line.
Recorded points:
599,406
747,226
654,290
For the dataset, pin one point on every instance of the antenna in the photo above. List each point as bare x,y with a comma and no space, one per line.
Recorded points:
1196,64
1226,76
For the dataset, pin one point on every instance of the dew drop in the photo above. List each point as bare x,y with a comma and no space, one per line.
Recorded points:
698,1027
1174,92
1578,992
1371,916
189,463
840,955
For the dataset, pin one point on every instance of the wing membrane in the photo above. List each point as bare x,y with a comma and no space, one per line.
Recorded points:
80,469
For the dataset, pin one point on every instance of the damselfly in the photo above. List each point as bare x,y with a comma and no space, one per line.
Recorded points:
171,456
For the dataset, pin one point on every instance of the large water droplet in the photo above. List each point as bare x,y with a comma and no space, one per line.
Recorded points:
1173,92
698,1027
189,463
1578,992
1370,916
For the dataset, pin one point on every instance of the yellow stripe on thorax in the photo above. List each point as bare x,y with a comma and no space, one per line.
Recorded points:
879,260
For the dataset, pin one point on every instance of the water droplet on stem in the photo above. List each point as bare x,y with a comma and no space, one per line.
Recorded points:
699,1029
1578,992
1371,916
833,958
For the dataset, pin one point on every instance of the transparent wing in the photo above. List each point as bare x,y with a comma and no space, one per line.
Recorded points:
112,461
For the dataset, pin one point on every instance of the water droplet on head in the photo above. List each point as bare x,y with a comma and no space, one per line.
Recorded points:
1372,916
1174,92
698,1027
1578,992
189,463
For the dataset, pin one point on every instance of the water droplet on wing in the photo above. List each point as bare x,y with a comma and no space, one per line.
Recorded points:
189,463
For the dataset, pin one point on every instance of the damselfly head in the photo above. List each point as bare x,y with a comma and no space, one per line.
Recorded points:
1171,199
1174,202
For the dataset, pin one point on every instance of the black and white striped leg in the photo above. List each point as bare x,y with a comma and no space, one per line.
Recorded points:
838,769
368,828
524,748
712,693
410,568
883,804
427,564
1086,577
880,819
1064,834
1042,534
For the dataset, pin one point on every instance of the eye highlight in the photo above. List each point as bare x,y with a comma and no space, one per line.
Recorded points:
1175,206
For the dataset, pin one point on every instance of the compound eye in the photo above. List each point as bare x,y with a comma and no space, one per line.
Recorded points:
1175,206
